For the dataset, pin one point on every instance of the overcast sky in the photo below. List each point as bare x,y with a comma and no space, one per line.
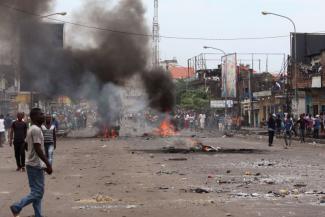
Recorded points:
227,19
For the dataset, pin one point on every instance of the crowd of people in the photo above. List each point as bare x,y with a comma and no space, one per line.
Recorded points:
199,120
306,126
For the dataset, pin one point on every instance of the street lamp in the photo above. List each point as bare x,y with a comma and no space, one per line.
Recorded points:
295,48
225,79
222,51
50,15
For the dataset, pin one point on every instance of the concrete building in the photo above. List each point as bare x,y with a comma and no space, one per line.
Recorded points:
311,84
310,77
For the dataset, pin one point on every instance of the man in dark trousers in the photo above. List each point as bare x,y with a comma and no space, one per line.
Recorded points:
302,127
271,128
35,166
17,137
8,123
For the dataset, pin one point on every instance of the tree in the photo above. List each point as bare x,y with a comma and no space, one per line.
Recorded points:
195,99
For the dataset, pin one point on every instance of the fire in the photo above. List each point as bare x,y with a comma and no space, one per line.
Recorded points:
109,133
166,128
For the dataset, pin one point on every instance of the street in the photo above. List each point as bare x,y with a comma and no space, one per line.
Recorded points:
144,176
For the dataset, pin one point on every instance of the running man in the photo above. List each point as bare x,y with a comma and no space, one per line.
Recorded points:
17,137
35,166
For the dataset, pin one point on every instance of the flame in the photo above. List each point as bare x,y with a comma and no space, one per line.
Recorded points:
166,128
109,133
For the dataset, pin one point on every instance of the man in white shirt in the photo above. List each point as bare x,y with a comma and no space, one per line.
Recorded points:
202,118
34,165
2,130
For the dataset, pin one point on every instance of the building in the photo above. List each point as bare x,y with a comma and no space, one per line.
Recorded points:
311,84
180,72
165,64
309,78
260,94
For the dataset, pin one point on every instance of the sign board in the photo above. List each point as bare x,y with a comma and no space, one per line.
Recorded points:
229,76
316,82
221,103
262,94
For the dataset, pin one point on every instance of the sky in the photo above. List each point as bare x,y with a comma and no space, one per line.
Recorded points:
226,19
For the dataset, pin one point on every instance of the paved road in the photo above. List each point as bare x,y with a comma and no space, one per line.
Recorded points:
135,177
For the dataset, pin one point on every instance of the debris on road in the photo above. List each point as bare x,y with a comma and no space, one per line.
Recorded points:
177,159
201,190
99,198
322,200
300,185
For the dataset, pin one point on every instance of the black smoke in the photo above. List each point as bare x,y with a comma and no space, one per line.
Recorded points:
94,59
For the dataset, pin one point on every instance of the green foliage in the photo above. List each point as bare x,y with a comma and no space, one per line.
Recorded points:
195,99
191,99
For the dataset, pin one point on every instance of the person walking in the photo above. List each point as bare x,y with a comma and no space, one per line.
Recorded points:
17,137
288,126
49,134
2,130
271,128
35,166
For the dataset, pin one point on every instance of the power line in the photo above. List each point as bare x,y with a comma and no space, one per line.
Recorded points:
141,34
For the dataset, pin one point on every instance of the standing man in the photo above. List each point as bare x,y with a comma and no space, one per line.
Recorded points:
288,125
202,118
278,124
35,166
18,134
2,130
302,127
317,126
8,123
55,122
271,128
49,134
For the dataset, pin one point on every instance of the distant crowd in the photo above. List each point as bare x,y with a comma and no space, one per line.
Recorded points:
200,120
306,126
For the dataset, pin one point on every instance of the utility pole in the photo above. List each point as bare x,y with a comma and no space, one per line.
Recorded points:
251,118
155,36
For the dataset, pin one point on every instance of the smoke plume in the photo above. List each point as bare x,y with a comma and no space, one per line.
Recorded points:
92,59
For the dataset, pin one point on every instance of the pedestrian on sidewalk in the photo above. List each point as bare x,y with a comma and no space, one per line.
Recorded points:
17,137
49,134
2,130
288,125
271,128
35,166
302,127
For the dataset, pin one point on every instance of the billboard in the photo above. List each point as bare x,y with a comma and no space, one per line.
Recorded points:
229,76
221,103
